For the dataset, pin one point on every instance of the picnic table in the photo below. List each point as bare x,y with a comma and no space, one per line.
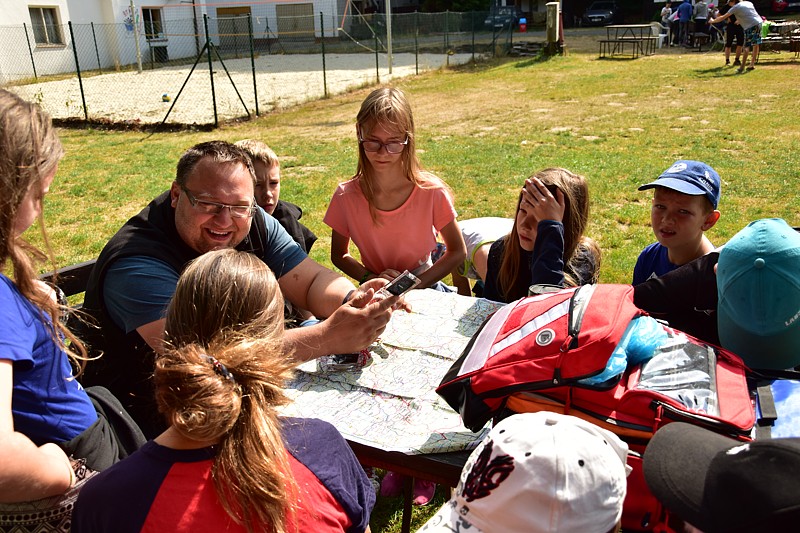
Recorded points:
388,410
628,39
782,36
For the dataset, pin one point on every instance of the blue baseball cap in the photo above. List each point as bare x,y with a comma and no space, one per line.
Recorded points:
758,288
690,177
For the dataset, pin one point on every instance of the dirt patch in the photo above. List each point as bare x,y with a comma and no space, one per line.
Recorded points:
280,81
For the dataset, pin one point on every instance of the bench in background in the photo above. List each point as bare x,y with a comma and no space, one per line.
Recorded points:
72,279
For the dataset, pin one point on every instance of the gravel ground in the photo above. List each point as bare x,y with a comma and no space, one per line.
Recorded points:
281,81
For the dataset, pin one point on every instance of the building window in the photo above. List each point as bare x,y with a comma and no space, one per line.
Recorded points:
153,26
44,21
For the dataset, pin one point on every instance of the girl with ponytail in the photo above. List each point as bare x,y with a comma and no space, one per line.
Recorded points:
228,461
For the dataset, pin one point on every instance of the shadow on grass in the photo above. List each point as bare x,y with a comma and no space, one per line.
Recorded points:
718,71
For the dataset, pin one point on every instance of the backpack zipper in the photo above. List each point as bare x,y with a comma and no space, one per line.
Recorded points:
578,304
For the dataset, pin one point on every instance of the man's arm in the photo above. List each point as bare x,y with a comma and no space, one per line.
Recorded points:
141,309
311,286
153,334
350,328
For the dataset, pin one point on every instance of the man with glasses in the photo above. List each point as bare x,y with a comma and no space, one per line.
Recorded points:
209,206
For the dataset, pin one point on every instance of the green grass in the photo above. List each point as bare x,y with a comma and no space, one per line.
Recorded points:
484,129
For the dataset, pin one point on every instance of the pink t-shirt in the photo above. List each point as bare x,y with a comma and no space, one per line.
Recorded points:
405,236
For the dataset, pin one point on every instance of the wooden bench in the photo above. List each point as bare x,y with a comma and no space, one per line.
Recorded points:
526,48
72,280
638,46
616,47
699,39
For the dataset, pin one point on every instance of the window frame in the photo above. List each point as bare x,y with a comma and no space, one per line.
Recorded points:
42,29
150,24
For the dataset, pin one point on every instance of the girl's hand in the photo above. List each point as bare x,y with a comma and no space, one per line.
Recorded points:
389,274
540,204
376,284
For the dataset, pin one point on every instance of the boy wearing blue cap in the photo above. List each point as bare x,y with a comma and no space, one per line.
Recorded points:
684,206
744,297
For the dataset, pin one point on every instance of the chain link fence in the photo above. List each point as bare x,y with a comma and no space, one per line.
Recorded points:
190,69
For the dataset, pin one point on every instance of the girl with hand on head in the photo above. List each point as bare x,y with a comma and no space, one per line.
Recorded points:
51,434
228,462
392,209
546,244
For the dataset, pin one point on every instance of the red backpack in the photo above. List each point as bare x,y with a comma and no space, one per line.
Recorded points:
531,355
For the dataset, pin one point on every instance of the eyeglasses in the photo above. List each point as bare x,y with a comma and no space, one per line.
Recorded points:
375,146
214,208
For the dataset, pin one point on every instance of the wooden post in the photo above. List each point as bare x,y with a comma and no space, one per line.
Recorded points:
552,32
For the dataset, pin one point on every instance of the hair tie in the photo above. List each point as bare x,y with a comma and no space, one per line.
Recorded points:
219,368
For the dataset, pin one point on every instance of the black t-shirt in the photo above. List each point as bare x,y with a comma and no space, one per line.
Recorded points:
686,298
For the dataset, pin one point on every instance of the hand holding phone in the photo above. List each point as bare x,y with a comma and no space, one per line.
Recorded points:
399,285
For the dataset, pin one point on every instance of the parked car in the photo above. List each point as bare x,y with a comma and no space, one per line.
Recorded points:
783,6
601,13
503,17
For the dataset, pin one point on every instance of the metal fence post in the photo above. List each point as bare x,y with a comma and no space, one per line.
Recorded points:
446,29
210,69
322,40
30,51
472,23
78,70
252,58
377,65
96,51
494,41
416,42
135,18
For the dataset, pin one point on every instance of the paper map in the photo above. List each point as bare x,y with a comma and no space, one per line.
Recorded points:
391,403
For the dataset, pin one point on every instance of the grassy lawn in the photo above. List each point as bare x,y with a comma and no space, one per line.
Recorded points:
484,129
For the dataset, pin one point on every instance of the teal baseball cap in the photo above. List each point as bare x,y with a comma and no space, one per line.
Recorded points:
758,288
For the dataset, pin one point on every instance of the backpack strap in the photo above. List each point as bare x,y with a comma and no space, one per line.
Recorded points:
768,374
766,407
761,381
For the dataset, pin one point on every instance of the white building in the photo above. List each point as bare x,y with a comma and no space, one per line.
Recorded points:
36,37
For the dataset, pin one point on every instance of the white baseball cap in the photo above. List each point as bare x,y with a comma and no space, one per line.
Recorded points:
537,472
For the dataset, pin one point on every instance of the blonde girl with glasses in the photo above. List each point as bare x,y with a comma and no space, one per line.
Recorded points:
52,435
228,461
392,209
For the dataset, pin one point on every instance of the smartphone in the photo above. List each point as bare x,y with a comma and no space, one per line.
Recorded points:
343,361
401,284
